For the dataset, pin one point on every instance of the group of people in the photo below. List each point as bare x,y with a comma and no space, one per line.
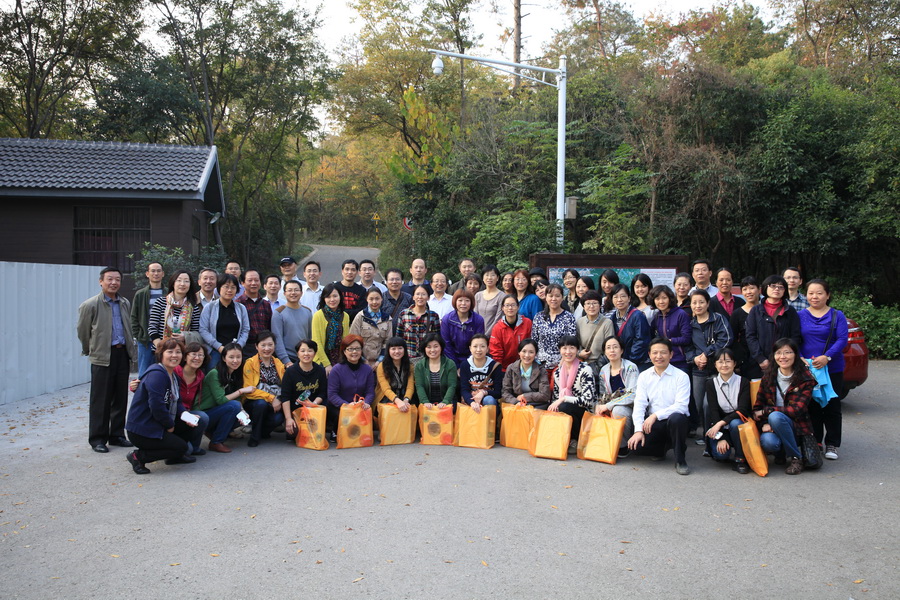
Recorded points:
673,362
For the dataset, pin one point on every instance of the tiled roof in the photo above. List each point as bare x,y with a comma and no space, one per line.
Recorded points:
62,164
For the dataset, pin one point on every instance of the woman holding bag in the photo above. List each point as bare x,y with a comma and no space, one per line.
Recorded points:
618,380
728,394
394,380
782,405
351,381
824,331
436,379
263,372
574,389
304,384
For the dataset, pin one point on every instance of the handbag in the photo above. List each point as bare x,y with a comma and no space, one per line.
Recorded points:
311,427
436,425
600,438
354,427
753,451
475,429
396,426
813,457
550,436
515,426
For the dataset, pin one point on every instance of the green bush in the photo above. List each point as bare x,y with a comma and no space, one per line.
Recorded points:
881,324
173,259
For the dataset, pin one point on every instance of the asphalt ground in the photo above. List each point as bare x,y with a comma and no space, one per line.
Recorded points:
441,522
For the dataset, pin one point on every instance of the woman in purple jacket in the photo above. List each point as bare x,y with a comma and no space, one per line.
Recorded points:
459,325
825,333
351,381
672,323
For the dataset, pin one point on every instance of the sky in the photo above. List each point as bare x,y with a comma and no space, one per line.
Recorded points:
541,19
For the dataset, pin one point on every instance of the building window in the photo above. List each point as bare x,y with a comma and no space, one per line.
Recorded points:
195,236
105,236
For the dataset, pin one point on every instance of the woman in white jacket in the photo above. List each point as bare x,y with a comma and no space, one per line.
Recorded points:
618,380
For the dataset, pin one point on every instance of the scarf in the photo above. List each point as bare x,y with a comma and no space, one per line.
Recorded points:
334,331
180,322
371,318
567,378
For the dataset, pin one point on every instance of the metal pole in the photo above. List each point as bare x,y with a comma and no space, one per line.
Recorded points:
561,157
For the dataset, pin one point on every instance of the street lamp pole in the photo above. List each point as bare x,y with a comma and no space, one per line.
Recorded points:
438,67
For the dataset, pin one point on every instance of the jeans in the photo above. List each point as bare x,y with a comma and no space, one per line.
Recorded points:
263,418
221,420
732,436
146,358
214,358
781,438
625,412
698,408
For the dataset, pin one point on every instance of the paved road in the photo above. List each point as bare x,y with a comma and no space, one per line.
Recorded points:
421,521
331,257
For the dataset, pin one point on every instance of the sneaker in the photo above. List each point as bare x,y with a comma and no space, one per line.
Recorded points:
136,464
700,442
795,466
741,467
682,469
831,453
573,447
706,454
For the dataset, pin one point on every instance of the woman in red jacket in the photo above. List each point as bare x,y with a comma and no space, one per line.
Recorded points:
509,332
781,407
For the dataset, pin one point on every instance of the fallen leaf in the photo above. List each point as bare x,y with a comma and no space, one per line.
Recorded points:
729,505
621,552
299,550
629,569
390,561
486,537
214,554
448,561
295,542
342,550
859,581
677,508
624,542
252,516
665,510
318,562
556,507
357,579
114,555
484,563
764,565
568,487
562,553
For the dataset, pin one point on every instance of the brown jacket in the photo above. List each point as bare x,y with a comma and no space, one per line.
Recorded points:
537,391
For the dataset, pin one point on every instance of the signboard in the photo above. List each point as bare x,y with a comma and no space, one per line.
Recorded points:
408,223
660,269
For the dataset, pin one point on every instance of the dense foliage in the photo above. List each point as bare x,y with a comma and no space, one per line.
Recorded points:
712,134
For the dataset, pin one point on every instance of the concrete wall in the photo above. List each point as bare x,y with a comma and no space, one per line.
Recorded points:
38,311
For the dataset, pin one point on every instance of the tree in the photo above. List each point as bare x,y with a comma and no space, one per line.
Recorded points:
47,50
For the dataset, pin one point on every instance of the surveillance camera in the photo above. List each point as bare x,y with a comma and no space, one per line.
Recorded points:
437,65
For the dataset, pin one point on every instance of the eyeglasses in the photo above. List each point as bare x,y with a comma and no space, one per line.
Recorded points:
724,361
354,349
776,286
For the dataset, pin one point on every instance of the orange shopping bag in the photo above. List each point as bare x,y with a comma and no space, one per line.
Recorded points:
436,425
600,438
311,428
551,434
754,390
354,427
753,452
516,424
475,430
396,426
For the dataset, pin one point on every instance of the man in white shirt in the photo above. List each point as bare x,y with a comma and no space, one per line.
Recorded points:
440,301
207,281
312,291
701,271
661,408
273,291
367,276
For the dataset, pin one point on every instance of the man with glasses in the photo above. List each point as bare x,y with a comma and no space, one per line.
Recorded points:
797,300
395,300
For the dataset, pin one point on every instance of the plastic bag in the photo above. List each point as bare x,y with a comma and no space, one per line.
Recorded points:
516,424
551,434
354,427
436,425
475,430
600,438
311,428
396,426
753,452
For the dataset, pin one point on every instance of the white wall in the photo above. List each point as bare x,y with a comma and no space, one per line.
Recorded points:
38,311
